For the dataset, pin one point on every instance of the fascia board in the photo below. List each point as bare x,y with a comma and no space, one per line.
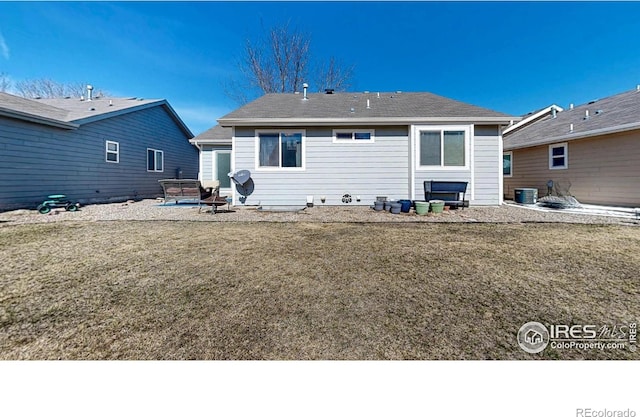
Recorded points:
210,141
535,116
360,121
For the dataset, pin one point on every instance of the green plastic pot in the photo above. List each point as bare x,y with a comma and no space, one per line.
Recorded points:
422,207
437,206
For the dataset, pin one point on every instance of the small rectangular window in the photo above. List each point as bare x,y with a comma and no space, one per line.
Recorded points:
155,160
347,135
558,157
112,150
507,163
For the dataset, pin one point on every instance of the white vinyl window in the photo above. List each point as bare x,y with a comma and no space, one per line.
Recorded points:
112,151
507,164
280,150
558,156
359,136
155,160
444,147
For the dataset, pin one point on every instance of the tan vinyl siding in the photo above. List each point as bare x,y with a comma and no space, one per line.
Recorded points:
602,170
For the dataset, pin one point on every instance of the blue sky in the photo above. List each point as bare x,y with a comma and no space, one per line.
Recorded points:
513,57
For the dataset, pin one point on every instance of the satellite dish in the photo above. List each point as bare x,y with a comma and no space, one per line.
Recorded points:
243,181
240,177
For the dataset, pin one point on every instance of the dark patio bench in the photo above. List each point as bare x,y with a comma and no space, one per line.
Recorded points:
451,192
182,189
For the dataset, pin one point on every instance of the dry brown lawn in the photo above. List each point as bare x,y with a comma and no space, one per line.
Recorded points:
183,290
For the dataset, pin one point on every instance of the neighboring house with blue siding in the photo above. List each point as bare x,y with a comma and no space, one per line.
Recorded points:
215,156
365,145
93,150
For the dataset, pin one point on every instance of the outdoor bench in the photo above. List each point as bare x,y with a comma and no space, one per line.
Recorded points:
183,189
451,192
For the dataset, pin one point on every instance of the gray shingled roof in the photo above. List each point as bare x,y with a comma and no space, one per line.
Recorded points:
353,107
216,135
70,113
22,108
608,115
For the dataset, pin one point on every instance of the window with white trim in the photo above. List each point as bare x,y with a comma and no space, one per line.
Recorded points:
346,135
558,156
507,164
112,151
280,149
443,147
155,160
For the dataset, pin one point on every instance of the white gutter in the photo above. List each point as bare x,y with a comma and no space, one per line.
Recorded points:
532,117
281,122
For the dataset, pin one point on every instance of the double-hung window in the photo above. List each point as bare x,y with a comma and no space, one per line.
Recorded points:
359,136
558,157
112,151
443,147
280,149
155,160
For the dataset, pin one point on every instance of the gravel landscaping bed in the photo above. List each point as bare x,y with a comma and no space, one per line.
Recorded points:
155,210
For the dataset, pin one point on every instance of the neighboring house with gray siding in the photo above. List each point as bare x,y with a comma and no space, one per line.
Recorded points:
594,147
364,145
215,156
99,150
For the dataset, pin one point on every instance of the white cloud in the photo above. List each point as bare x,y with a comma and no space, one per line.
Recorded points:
4,49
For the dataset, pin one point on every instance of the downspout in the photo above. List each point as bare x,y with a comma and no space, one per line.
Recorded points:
472,160
233,163
500,166
412,171
197,145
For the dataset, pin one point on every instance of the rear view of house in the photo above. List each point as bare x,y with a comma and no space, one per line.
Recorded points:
349,148
91,149
591,149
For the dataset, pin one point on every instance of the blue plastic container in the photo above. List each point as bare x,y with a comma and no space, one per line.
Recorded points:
406,205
